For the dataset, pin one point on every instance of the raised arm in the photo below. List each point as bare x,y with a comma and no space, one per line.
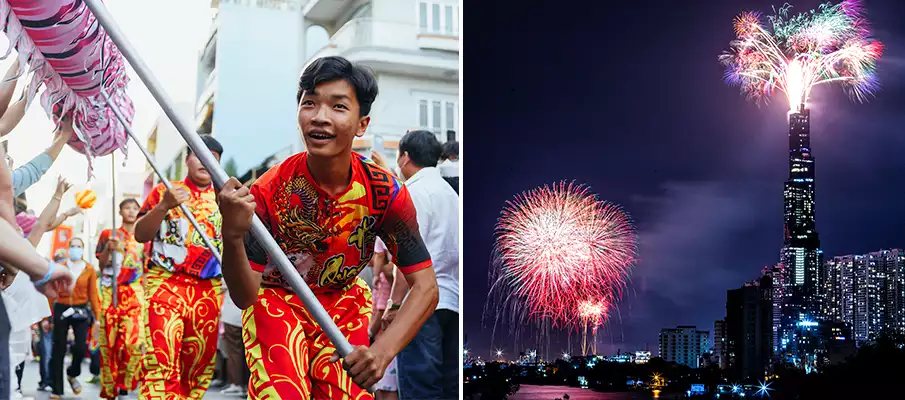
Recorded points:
47,217
64,216
7,198
6,91
31,173
12,116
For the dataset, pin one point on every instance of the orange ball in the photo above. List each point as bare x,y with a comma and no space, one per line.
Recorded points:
85,199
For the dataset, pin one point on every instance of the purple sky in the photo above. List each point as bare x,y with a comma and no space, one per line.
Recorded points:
629,99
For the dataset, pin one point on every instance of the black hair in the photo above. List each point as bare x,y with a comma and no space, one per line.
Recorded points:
212,144
450,149
423,148
127,201
328,69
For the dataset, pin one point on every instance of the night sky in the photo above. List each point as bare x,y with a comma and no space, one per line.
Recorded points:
628,97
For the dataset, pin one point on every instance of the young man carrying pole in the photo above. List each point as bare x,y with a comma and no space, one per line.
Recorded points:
183,285
325,208
122,324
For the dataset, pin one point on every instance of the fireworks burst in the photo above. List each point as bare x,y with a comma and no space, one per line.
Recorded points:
830,44
591,313
557,246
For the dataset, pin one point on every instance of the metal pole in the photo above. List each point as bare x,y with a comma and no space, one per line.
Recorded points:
166,182
343,347
113,229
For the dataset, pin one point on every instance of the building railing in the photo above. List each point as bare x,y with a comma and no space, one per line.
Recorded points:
362,32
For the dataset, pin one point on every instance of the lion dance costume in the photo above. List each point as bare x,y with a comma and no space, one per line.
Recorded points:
122,326
184,294
329,239
67,51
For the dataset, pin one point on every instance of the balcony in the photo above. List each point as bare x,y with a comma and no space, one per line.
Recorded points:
395,47
207,92
323,11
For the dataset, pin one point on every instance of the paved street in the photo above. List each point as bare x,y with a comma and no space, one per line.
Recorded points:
89,392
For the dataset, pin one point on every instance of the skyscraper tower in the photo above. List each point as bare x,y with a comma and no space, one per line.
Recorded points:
800,254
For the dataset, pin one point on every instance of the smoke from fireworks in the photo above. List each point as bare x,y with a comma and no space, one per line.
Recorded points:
557,246
830,44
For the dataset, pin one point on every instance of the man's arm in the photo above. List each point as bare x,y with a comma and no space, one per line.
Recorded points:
240,248
242,280
399,231
155,209
422,299
147,226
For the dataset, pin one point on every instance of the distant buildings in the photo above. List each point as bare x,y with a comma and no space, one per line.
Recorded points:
748,345
642,357
720,344
684,345
867,293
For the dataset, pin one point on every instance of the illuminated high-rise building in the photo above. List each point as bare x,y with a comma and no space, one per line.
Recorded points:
867,293
800,255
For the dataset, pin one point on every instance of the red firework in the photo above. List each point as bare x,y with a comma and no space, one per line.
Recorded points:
556,247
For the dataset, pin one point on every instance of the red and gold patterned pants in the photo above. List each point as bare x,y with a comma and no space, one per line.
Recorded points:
121,339
181,326
287,352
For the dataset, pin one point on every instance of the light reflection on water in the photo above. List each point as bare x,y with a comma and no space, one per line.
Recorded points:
531,392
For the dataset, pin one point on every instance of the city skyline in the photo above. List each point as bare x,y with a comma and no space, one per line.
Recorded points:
698,167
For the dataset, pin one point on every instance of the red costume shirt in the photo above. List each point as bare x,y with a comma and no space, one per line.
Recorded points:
133,260
177,247
330,239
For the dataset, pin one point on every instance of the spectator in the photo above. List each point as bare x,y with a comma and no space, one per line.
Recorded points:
449,164
387,388
16,253
429,365
77,309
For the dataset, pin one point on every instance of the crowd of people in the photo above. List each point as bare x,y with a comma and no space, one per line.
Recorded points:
161,316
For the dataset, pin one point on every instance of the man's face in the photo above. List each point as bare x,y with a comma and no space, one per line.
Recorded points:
129,212
402,161
197,173
329,119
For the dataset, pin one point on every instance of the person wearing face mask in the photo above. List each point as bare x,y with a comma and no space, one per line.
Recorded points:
77,310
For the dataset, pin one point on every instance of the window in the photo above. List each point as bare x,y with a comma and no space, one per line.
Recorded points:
422,113
422,16
435,20
450,115
438,17
437,116
437,122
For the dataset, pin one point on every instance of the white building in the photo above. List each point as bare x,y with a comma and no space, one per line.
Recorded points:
684,345
249,68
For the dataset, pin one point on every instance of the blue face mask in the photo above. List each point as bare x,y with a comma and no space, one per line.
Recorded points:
75,253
